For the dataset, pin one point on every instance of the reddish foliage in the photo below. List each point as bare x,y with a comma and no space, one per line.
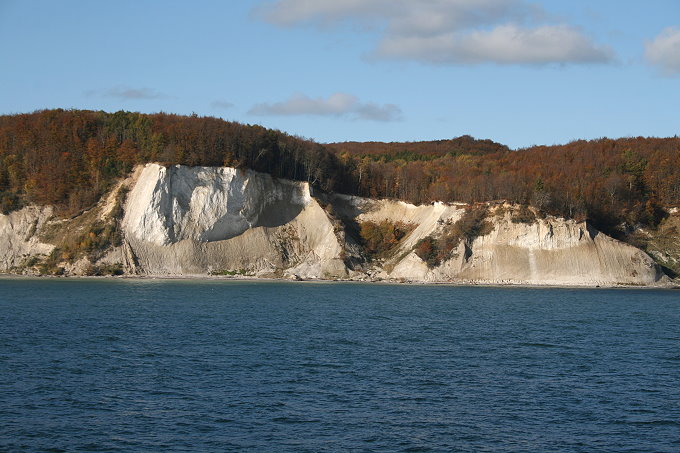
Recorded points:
68,158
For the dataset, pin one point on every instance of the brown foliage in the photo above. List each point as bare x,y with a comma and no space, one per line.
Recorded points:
379,238
523,215
69,158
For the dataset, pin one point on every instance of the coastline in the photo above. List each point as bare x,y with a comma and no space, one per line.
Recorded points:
240,278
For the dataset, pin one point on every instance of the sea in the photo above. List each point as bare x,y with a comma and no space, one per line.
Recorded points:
125,365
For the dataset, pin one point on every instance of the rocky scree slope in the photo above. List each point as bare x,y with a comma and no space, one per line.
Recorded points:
198,221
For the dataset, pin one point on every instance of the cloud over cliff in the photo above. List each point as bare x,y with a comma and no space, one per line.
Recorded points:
127,93
664,51
449,32
337,105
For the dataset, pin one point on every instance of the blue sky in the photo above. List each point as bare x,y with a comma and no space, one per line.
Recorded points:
521,72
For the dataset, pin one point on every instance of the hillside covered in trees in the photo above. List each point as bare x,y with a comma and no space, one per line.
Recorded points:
69,158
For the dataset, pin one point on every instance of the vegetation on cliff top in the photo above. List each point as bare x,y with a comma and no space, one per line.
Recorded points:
68,158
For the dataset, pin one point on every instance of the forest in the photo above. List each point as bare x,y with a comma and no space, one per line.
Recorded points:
68,158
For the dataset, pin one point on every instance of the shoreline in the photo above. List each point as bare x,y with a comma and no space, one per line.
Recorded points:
240,278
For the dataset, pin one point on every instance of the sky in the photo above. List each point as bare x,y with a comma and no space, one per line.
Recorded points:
519,72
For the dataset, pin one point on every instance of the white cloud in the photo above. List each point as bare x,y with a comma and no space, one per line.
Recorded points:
449,31
124,92
323,12
219,104
338,104
664,51
403,15
375,112
505,44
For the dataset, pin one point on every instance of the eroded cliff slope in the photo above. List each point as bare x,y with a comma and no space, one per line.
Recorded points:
200,220
197,221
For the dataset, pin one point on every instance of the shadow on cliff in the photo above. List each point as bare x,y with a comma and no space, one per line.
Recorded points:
277,214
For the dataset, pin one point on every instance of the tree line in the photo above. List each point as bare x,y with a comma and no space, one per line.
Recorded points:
615,184
70,157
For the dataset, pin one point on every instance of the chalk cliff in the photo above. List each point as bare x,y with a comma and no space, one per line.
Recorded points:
18,239
547,251
199,220
193,221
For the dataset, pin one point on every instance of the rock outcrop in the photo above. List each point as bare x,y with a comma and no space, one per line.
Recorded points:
198,221
18,239
547,251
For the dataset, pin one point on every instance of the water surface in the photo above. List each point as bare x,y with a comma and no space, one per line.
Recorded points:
125,365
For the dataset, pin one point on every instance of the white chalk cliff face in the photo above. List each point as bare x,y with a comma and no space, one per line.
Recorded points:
550,251
168,205
18,240
196,221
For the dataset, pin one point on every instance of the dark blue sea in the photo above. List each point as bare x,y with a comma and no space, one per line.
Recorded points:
194,366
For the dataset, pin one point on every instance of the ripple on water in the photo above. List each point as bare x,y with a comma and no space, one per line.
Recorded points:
232,366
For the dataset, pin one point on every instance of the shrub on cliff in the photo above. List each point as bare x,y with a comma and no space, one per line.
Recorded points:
379,238
471,225
523,215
